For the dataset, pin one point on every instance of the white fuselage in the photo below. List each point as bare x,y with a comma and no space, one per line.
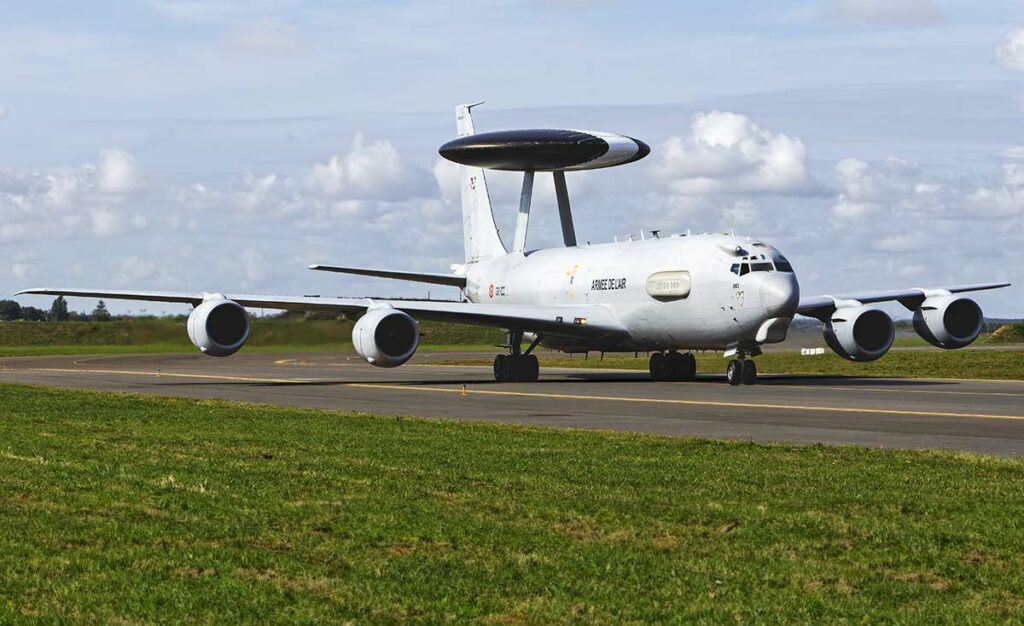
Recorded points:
721,310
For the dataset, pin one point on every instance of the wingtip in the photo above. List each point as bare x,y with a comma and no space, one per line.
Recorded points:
314,266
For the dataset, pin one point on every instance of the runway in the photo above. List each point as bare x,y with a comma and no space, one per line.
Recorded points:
977,416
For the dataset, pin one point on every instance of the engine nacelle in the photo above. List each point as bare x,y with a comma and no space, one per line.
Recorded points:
386,337
218,327
860,333
949,321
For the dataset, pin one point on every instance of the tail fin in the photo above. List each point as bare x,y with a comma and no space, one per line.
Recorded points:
479,232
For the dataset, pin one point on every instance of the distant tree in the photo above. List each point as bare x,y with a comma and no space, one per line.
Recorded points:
59,310
100,313
32,314
9,311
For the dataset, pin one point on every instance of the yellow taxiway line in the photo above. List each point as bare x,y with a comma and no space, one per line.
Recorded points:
536,394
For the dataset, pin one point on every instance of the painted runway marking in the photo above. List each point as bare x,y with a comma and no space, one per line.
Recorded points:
740,405
158,374
535,394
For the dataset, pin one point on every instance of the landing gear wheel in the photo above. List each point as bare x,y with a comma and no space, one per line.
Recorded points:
658,366
749,372
525,368
676,366
734,372
689,367
516,368
501,368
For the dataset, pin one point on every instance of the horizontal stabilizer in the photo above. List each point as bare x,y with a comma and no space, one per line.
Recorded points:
416,277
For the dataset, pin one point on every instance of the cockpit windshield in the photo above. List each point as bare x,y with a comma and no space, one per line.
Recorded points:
760,263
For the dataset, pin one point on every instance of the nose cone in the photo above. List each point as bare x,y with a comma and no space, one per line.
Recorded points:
780,294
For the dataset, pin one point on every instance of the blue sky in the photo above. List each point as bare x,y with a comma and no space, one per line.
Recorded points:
222,145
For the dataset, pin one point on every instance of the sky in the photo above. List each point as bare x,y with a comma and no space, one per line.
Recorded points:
223,145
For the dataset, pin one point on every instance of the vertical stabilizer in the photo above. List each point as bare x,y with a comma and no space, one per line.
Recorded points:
479,232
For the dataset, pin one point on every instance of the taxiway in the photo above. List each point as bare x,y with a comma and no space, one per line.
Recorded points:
977,416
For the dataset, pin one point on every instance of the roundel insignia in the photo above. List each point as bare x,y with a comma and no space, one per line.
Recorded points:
490,291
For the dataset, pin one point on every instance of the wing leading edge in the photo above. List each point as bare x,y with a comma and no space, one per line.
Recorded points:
587,320
823,306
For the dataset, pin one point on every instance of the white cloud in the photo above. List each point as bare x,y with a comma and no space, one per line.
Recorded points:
267,36
218,11
449,180
106,222
372,174
896,208
371,169
23,265
1010,50
727,153
57,202
133,270
888,12
116,172
1013,152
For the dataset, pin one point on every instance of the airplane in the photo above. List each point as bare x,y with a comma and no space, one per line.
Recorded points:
664,295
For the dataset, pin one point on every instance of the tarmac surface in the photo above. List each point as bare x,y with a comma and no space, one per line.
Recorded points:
977,416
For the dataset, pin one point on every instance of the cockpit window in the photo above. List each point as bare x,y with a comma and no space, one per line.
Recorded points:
783,265
760,267
744,269
735,269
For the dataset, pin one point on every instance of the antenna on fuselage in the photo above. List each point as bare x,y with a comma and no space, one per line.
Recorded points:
544,150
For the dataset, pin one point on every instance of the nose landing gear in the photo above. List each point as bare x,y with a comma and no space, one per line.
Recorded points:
741,371
672,366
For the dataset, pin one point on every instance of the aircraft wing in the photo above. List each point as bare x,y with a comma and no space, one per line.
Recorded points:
416,277
585,320
822,307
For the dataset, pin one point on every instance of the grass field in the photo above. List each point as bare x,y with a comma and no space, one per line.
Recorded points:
991,364
119,509
169,335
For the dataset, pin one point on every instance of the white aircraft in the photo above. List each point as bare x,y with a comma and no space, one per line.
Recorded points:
663,295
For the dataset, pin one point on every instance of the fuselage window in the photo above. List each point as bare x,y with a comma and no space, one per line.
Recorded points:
760,267
783,265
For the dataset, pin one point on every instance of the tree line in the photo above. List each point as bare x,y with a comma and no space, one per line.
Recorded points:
11,311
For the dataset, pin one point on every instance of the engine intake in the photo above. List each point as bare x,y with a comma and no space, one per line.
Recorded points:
218,327
386,337
949,321
860,333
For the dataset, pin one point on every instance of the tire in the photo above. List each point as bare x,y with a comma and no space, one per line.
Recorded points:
749,372
531,369
657,366
675,364
689,367
501,368
734,372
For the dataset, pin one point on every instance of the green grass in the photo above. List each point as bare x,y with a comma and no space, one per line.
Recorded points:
991,364
162,335
120,509
1008,333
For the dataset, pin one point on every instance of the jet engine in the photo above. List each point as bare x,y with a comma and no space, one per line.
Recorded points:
386,337
949,321
218,327
860,333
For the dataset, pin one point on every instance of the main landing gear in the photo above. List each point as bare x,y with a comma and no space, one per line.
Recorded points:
517,366
741,371
672,366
